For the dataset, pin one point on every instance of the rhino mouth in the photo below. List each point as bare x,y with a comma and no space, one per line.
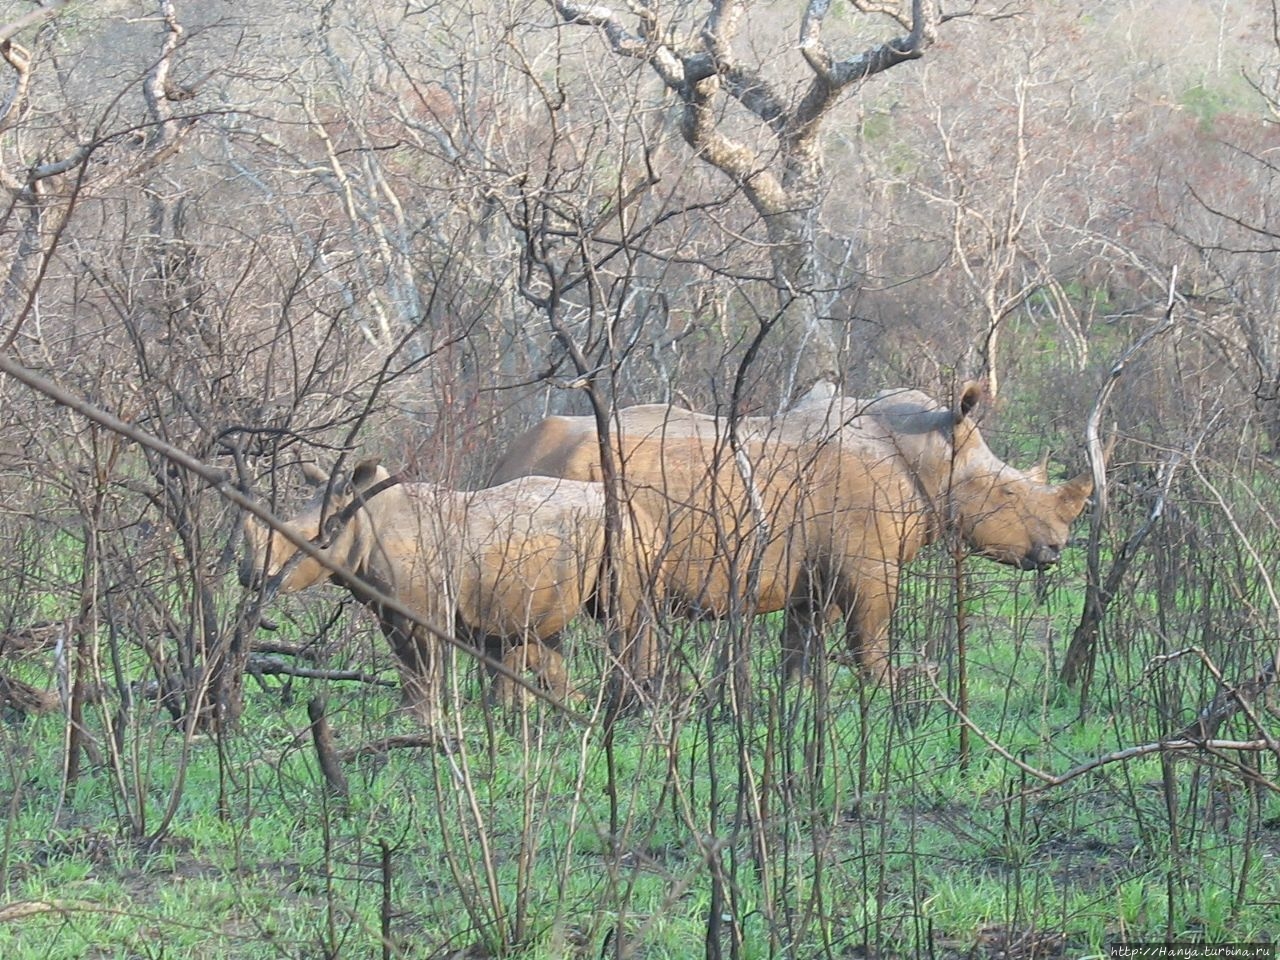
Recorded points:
1040,558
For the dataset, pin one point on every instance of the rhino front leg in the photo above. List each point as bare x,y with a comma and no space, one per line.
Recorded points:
419,659
868,599
803,627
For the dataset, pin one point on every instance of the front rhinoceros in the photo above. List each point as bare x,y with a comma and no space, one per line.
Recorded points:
816,511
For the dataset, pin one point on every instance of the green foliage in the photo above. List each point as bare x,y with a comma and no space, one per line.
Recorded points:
1205,102
539,837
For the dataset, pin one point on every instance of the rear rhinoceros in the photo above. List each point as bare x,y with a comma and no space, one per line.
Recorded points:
816,511
503,568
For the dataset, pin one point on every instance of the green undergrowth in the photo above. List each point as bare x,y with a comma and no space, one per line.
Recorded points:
822,819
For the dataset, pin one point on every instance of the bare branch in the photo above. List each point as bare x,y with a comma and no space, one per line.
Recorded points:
274,666
623,42
885,8
224,486
837,75
1048,780
20,60
43,14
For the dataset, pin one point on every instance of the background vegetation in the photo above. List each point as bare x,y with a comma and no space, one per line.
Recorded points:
241,237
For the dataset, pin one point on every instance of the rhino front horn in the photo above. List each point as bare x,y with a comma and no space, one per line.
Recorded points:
1076,490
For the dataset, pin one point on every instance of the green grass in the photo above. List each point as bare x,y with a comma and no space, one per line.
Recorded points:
509,846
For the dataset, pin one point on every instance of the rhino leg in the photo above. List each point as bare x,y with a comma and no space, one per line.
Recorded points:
547,667
420,662
813,611
802,638
868,600
637,643
633,636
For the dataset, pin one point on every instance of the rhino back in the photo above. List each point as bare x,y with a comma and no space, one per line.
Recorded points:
543,449
529,555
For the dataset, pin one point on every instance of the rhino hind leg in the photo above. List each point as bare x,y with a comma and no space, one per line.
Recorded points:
630,621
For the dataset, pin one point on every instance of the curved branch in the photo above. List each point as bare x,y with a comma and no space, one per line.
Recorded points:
832,77
39,15
739,162
719,29
749,88
623,42
877,59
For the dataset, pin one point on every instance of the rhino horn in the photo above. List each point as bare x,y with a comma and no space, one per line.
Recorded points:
1040,472
1076,490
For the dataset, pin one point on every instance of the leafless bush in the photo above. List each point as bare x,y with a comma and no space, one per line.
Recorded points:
262,240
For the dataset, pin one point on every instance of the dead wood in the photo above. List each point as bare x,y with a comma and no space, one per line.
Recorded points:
30,639
303,651
1226,704
322,736
23,698
274,666
384,745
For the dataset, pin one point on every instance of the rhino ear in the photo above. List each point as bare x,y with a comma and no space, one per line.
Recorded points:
967,400
367,473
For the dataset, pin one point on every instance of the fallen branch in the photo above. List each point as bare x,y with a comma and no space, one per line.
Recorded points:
30,639
303,651
377,748
274,666
1230,701
1048,780
24,698
1161,746
24,909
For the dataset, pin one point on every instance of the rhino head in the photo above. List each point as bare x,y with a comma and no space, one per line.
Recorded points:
1005,514
271,556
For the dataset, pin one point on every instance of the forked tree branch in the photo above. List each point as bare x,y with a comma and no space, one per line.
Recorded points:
708,66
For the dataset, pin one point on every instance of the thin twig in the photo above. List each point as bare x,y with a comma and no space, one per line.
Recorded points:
1048,780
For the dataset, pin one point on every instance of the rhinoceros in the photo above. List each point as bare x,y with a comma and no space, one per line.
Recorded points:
815,511
510,565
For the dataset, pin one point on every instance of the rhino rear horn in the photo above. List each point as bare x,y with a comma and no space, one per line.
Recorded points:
313,475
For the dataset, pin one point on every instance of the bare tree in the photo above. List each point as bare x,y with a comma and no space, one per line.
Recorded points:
783,180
